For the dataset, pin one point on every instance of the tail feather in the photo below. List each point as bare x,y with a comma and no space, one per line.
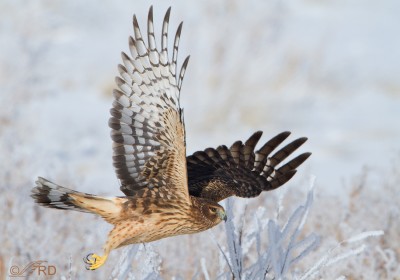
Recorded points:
51,195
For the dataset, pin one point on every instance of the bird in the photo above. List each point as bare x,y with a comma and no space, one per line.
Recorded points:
167,193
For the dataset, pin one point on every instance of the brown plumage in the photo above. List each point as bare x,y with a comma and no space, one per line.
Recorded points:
166,192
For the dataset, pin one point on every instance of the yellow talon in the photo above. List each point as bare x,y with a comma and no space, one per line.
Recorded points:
94,261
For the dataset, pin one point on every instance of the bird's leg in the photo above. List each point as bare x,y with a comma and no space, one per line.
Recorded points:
94,261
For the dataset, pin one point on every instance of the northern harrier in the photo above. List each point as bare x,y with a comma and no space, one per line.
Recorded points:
167,193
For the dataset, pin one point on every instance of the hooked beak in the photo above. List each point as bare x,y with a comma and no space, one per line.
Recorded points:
222,215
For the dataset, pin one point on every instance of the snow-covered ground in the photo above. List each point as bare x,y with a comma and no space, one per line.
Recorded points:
326,70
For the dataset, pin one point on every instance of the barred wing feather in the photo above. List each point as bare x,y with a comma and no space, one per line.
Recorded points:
146,119
239,170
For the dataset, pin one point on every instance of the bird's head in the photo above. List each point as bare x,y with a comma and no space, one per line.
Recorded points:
214,212
207,213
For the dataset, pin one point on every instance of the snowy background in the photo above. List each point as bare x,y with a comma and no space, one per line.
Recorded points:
328,70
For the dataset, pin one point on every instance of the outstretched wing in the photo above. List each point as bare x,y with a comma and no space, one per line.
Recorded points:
219,173
146,118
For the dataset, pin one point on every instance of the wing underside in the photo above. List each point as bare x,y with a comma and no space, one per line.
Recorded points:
146,119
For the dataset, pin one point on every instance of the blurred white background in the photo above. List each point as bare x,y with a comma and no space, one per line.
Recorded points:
327,70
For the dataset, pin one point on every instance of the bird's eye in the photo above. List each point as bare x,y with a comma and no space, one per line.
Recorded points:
213,210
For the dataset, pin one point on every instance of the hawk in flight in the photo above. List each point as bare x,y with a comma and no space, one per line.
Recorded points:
166,192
